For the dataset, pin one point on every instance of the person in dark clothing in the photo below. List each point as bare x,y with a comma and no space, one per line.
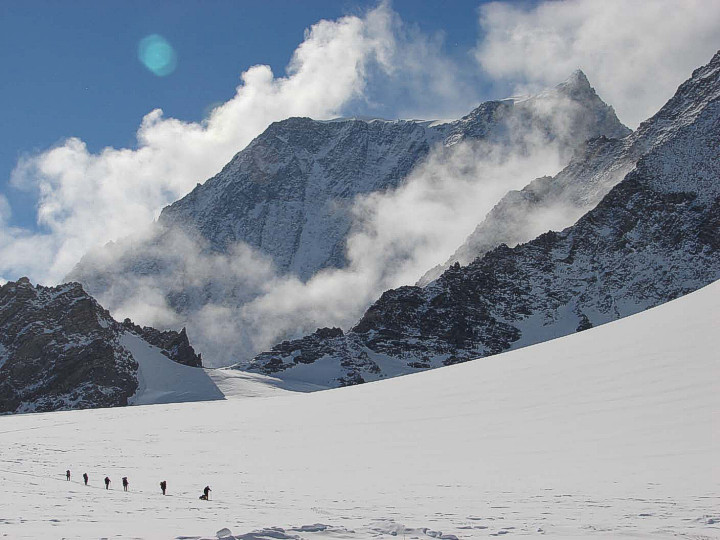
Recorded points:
67,475
206,493
107,483
125,483
85,477
163,486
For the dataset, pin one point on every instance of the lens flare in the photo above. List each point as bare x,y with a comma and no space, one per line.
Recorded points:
157,55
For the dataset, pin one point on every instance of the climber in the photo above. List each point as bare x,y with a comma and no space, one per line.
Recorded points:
67,475
125,482
107,483
206,494
163,486
85,477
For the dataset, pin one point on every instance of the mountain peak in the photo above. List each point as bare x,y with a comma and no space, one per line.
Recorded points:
716,58
577,81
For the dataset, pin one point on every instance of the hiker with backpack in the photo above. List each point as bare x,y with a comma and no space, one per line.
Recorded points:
67,475
125,482
107,483
163,486
206,494
85,478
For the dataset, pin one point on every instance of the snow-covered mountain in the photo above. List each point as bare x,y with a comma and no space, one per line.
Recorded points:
652,238
289,197
59,349
609,433
287,193
557,202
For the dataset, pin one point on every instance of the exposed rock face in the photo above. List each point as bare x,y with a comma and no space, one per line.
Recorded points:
652,238
59,349
289,195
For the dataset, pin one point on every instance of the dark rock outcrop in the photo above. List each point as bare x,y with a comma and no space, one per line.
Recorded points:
59,349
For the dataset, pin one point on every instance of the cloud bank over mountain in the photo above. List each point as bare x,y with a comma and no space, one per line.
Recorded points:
86,199
250,257
636,53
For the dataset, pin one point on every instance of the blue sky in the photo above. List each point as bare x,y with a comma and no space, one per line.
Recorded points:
71,68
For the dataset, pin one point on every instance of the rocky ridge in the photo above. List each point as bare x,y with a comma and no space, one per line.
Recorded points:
652,238
597,166
59,349
174,345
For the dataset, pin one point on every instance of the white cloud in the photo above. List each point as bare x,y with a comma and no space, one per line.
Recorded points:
416,77
87,199
635,53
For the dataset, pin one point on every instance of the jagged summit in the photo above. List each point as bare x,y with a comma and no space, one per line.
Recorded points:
576,86
576,80
594,170
572,111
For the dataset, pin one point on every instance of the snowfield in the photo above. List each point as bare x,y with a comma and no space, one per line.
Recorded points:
609,433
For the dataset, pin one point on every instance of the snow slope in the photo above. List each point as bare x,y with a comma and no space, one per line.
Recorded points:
611,432
236,384
160,380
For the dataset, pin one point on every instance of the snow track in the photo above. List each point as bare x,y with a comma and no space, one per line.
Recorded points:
608,433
